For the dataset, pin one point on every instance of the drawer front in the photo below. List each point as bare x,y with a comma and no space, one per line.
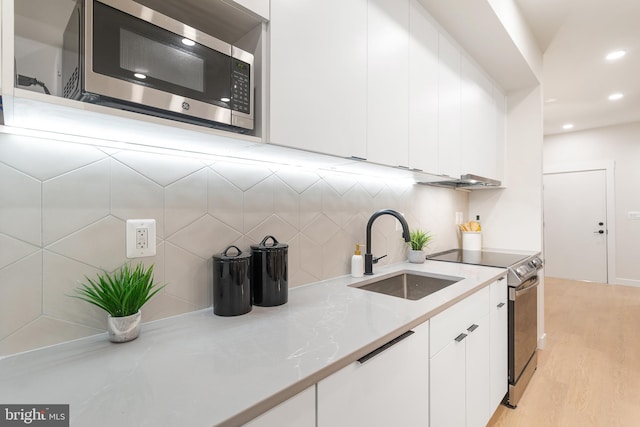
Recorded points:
446,326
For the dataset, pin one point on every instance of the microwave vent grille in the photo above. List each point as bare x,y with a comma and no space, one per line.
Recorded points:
72,85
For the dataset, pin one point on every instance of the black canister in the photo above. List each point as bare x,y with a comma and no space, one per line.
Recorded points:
269,273
231,283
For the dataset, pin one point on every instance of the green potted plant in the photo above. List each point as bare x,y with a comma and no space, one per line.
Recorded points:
419,240
121,294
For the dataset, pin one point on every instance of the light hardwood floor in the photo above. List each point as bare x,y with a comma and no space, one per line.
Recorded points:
589,372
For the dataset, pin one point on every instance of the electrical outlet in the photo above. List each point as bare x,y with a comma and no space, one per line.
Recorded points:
459,218
141,238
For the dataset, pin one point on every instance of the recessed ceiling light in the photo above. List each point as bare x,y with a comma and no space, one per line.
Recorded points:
567,126
615,96
616,54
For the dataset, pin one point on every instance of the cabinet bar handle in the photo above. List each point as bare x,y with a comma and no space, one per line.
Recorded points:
461,337
382,348
472,328
501,305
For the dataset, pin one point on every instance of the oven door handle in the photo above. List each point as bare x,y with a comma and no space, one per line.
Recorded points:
523,290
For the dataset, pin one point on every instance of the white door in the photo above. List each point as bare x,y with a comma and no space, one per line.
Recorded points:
575,225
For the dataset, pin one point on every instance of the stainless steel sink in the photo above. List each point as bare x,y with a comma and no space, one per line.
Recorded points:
410,286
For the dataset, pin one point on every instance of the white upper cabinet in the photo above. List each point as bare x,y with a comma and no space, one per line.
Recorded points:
379,80
423,90
318,94
478,122
501,132
388,82
449,89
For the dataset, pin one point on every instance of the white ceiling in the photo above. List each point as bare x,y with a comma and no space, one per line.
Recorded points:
575,36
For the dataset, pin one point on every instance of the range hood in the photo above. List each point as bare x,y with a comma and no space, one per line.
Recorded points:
467,181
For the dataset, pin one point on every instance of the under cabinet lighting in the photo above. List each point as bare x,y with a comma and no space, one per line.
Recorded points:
615,96
188,42
567,126
616,54
140,76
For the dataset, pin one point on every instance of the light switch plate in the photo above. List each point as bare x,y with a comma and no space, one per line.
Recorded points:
141,238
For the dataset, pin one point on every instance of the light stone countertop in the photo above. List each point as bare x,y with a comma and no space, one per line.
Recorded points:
199,369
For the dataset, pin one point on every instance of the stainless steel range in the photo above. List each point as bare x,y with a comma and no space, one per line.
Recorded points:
522,280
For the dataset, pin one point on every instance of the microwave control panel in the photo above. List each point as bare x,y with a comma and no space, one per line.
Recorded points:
240,86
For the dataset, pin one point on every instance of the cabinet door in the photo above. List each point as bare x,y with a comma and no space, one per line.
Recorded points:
501,133
447,388
423,90
388,82
318,75
449,145
390,389
298,411
478,120
478,377
499,342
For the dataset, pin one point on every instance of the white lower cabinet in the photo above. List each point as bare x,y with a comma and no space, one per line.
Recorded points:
459,363
499,341
450,371
389,389
298,411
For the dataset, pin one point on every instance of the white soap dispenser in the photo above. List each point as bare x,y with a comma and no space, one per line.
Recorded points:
357,263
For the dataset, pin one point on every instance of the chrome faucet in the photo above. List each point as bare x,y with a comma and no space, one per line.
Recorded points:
369,260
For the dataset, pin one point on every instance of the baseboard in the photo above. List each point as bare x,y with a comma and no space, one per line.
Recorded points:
626,282
542,341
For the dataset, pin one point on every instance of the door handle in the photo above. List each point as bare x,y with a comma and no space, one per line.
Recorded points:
382,348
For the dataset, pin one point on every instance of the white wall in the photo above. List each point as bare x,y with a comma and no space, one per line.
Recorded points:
512,217
620,144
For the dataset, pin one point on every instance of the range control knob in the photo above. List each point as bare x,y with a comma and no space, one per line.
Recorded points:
522,270
535,262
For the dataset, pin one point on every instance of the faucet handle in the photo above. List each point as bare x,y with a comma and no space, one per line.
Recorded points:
375,260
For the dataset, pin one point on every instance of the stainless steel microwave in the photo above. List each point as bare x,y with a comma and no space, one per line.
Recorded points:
122,54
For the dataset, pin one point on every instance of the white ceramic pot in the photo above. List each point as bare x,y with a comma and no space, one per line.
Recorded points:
123,329
416,257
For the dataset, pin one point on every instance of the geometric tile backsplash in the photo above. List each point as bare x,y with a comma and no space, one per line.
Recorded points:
63,209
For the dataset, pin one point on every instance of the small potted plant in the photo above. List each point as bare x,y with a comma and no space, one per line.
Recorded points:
121,294
419,240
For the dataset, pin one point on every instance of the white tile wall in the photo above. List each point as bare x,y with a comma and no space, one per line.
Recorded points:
63,208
